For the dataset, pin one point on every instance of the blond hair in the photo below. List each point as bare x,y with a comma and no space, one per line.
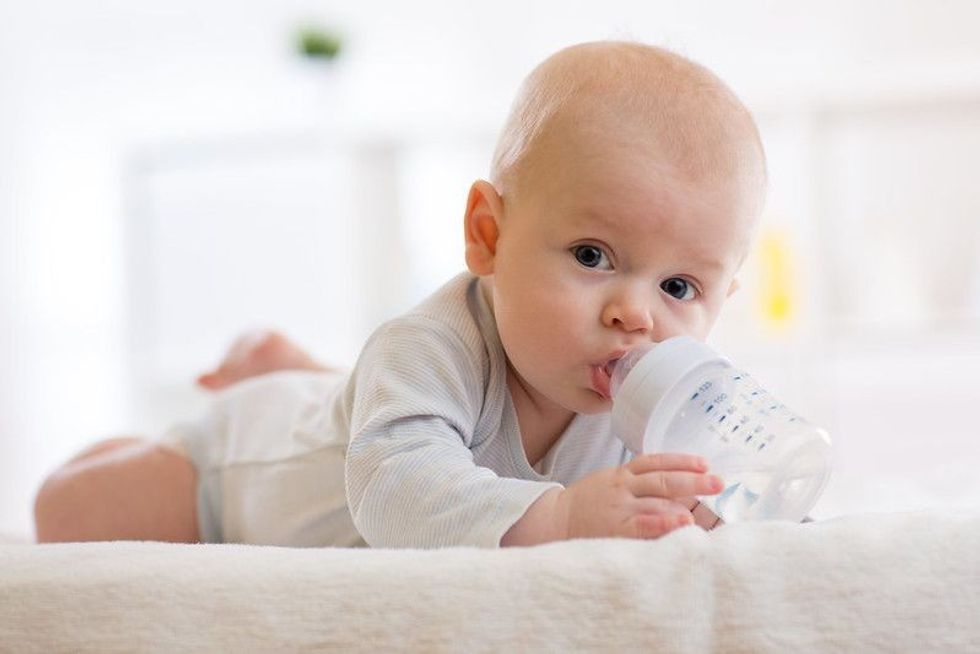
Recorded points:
697,122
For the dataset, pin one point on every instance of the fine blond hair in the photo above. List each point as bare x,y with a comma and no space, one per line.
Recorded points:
689,115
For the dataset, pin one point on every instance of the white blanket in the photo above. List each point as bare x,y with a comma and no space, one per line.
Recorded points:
899,582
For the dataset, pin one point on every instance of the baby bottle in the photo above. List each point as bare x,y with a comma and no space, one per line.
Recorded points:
681,396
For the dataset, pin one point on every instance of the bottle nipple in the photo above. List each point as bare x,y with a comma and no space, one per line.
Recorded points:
624,365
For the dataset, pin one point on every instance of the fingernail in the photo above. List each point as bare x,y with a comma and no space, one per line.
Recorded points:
717,483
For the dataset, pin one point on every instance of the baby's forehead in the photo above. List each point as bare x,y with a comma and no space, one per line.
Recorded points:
692,142
614,158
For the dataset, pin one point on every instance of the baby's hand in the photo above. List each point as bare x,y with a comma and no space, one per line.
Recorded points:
646,498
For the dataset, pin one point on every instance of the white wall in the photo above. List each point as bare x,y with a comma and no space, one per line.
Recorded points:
86,87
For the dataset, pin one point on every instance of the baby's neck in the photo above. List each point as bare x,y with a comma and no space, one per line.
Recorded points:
541,422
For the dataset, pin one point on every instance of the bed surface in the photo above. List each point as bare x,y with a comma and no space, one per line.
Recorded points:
904,581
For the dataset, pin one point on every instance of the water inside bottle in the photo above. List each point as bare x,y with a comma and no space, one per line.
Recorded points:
745,435
738,499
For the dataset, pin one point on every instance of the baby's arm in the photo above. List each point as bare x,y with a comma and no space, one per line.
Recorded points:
412,475
413,483
645,498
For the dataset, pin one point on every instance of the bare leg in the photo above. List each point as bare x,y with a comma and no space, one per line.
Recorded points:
120,489
257,353
134,489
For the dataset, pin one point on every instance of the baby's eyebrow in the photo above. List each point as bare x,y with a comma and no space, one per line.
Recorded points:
595,219
592,218
707,263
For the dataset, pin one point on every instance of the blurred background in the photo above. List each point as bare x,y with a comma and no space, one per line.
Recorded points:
173,173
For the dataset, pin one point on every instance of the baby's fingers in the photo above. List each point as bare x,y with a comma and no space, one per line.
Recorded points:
646,525
675,484
667,461
703,516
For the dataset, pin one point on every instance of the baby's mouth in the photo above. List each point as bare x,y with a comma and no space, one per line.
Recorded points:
610,365
602,376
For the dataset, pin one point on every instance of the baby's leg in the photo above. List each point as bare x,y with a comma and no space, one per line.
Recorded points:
120,489
257,353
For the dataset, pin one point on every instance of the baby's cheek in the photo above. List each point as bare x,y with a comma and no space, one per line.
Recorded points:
696,324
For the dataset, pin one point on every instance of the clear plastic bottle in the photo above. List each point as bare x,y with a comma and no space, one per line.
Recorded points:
681,396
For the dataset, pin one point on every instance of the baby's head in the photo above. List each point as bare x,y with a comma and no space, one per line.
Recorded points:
623,196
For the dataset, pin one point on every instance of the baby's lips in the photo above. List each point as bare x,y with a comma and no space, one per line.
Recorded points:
600,381
610,364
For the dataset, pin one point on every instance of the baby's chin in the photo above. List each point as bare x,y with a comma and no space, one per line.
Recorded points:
579,400
591,403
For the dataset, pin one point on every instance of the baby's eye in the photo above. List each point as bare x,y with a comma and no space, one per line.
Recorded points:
591,256
679,288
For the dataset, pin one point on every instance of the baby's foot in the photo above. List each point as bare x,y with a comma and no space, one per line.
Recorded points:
257,353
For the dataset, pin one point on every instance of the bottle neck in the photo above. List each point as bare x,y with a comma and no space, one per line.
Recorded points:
624,365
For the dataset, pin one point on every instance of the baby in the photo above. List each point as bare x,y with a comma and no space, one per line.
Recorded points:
621,202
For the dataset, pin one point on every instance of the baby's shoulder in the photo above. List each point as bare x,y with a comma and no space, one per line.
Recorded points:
447,319
426,343
443,330
424,363
453,308
438,355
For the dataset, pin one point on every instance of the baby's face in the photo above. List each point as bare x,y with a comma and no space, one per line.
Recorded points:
605,253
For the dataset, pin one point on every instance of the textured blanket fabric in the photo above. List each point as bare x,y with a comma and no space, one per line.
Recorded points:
898,582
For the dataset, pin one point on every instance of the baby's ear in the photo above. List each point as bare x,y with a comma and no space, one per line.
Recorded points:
732,288
480,226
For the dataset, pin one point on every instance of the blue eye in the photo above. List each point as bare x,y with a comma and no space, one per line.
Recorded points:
590,256
678,288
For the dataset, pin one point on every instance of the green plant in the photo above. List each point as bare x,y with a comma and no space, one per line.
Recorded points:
318,43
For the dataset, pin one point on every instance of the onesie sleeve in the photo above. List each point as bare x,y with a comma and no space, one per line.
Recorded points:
410,474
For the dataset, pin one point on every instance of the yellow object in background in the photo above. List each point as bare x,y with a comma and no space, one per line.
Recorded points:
778,282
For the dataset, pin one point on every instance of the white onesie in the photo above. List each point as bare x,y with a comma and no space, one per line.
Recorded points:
424,424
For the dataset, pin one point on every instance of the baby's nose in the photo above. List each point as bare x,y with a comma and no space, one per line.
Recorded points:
628,316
